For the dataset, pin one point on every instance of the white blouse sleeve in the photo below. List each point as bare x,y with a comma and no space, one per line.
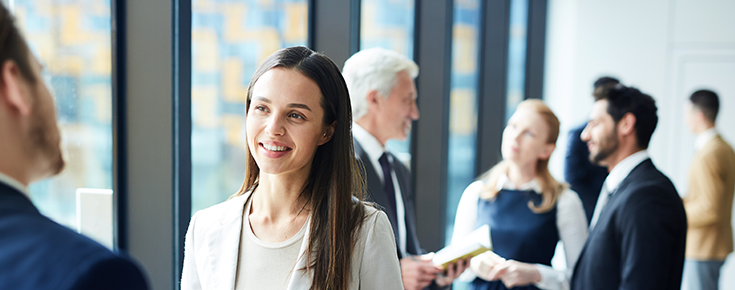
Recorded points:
572,225
465,221
379,267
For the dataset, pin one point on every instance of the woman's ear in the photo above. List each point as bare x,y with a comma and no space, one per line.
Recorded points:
546,151
328,133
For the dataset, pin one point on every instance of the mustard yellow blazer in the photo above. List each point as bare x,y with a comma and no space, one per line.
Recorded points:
709,202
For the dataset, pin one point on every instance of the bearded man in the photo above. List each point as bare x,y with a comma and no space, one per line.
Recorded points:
35,252
638,229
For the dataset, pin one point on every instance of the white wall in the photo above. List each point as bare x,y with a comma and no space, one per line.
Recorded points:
666,48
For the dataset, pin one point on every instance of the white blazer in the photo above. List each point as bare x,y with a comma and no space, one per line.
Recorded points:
213,240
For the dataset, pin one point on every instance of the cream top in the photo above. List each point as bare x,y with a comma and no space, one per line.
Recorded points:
275,261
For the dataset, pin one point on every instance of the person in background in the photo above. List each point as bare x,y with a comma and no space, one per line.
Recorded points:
709,202
35,252
638,230
528,211
383,95
297,222
584,177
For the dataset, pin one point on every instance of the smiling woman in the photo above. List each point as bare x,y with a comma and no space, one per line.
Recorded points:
297,222
276,110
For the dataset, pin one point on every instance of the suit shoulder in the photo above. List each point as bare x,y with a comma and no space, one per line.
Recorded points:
220,210
375,222
373,217
370,213
57,238
47,255
653,185
111,272
717,151
649,185
652,193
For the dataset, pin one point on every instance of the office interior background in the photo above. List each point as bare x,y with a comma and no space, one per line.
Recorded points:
151,94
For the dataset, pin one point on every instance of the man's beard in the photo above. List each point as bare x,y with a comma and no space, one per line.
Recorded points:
607,147
43,142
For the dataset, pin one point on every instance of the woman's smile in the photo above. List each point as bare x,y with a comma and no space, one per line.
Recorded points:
272,149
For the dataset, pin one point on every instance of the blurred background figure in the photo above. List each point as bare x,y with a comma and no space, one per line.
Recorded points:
528,211
708,203
584,177
383,92
638,230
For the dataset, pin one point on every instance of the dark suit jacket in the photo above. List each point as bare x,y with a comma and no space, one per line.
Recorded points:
37,253
376,194
583,177
639,239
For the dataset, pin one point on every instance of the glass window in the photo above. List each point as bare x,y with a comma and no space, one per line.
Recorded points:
72,38
516,55
463,104
389,24
229,40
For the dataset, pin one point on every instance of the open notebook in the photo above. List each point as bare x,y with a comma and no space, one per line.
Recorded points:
475,243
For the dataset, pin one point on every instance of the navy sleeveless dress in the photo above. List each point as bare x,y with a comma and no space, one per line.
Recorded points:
517,232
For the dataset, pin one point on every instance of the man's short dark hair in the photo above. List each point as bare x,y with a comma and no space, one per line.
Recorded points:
707,102
603,85
12,45
622,100
606,80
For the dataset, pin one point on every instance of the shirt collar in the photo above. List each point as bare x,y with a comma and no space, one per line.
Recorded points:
505,183
15,184
704,137
368,142
623,169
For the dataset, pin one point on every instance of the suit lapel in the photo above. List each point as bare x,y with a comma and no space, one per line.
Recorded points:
375,192
404,182
604,218
224,250
301,279
224,247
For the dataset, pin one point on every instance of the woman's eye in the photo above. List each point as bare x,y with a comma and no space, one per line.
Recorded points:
261,108
296,116
529,134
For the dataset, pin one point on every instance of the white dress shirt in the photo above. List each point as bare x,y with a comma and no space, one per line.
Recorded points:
14,184
374,151
570,222
613,180
704,137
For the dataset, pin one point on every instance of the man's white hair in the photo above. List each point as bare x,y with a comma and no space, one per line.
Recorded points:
374,69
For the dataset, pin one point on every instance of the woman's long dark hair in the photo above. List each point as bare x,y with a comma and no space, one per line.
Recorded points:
334,184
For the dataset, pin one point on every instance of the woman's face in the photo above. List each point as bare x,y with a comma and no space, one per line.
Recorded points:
284,122
524,139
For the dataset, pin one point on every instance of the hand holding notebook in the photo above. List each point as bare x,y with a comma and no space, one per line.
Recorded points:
477,242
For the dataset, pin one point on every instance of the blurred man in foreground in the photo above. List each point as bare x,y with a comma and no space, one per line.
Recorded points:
35,252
